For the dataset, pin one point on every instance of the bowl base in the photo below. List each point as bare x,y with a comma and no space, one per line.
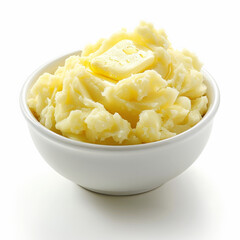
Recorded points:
120,193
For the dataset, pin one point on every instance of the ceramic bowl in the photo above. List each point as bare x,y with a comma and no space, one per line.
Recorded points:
119,170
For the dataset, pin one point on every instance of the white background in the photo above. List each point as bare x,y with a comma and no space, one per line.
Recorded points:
37,203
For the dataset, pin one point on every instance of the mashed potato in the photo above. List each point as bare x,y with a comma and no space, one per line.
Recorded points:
129,89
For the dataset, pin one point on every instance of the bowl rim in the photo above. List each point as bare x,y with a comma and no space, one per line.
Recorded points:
93,146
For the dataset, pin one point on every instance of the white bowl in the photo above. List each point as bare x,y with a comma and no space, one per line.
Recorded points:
119,170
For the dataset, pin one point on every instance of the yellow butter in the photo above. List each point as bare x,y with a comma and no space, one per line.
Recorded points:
131,88
122,60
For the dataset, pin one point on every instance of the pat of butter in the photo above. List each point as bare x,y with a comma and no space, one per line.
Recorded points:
122,60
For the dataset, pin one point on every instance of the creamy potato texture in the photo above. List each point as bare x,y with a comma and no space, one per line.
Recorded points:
129,89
